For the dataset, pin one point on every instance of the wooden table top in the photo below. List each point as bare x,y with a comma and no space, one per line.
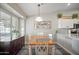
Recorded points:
50,42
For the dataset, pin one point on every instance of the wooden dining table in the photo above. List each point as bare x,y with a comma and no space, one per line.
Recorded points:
48,47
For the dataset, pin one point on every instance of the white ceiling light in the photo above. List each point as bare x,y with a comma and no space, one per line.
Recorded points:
68,4
39,18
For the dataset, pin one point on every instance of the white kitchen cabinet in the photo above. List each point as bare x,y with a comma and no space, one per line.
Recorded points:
66,23
75,20
75,45
65,41
68,43
61,39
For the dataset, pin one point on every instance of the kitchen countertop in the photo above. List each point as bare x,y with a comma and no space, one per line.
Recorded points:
8,39
75,42
74,35
70,35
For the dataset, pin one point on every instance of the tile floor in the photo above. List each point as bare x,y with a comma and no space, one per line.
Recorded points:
58,51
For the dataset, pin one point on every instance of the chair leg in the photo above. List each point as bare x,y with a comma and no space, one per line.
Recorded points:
54,50
30,50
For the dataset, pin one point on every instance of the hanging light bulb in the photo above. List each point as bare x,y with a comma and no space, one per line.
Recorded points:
68,4
39,18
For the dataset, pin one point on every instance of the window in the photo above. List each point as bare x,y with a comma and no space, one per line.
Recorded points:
22,27
5,22
15,28
11,27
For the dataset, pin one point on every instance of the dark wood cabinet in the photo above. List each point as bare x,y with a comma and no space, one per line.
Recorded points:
14,47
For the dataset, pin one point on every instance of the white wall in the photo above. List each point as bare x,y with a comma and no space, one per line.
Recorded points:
69,13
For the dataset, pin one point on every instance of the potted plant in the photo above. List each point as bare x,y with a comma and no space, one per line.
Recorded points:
16,32
74,16
59,15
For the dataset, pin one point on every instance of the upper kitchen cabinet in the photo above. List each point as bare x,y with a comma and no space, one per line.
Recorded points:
65,23
76,21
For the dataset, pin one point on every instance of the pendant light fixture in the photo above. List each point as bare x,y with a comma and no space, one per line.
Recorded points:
39,18
68,4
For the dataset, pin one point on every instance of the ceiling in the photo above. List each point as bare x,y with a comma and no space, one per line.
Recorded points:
31,9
